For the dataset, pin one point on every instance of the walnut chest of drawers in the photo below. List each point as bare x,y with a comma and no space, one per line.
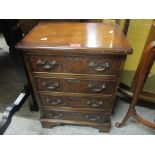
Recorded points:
74,69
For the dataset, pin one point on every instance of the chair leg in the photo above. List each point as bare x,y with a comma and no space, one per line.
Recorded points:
12,109
144,68
33,103
129,112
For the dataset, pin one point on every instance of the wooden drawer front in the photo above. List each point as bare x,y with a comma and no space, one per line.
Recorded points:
75,85
75,102
46,63
101,65
98,117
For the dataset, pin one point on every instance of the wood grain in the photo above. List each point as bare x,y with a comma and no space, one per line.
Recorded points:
46,35
75,71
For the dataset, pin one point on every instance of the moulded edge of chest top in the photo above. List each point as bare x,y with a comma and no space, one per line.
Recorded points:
77,51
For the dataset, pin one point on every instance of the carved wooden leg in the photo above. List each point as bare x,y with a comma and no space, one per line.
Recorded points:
103,128
144,67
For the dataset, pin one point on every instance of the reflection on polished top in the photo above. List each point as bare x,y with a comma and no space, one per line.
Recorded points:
84,36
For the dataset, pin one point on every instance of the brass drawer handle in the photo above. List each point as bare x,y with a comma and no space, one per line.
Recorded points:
73,81
96,87
94,103
99,66
54,101
92,117
47,64
51,85
55,115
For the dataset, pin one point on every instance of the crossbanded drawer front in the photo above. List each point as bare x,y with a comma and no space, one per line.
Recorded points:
45,63
75,85
100,65
97,117
76,102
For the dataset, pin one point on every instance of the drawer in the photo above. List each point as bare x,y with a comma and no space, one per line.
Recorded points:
46,63
100,65
97,117
75,101
77,85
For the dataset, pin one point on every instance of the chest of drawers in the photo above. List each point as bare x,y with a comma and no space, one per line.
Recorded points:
74,69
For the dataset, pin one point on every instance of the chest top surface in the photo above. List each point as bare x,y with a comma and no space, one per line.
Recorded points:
71,36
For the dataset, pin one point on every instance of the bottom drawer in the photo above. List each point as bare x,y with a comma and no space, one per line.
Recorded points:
97,117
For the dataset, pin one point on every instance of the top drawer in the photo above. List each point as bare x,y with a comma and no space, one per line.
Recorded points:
100,65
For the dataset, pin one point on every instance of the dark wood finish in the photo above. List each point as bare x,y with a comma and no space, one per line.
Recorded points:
49,123
126,26
78,64
76,36
86,116
75,85
74,101
28,24
89,116
141,75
